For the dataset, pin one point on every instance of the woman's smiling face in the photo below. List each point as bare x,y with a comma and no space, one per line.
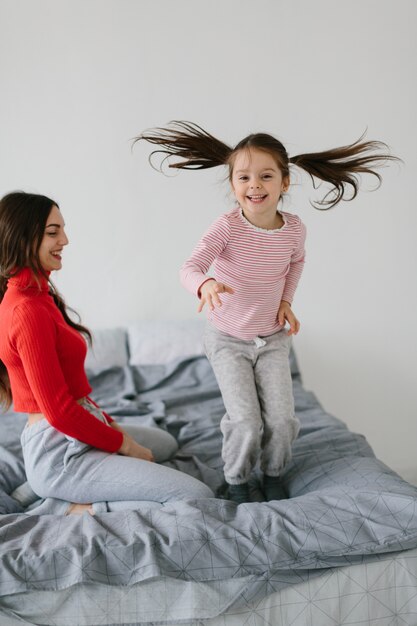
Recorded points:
53,241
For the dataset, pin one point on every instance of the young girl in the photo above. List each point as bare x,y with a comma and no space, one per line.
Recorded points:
73,451
257,253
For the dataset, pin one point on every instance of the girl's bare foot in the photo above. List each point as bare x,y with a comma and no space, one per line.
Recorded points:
79,509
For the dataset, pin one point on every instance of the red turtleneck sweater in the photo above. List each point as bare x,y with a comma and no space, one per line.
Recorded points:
44,357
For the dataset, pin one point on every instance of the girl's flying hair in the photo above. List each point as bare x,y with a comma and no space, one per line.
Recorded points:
340,167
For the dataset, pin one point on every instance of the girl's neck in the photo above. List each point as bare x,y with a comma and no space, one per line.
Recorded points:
272,221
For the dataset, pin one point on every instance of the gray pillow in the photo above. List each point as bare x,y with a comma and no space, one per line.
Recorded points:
109,350
158,342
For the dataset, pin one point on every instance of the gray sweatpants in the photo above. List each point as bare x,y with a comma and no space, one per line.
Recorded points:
255,382
62,469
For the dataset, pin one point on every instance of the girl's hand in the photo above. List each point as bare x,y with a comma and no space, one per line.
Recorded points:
209,292
132,448
285,314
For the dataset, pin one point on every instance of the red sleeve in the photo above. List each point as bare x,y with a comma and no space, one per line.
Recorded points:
34,334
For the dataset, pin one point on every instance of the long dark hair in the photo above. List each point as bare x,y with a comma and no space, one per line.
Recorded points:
23,218
340,167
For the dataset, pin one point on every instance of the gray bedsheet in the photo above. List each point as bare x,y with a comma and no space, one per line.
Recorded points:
344,504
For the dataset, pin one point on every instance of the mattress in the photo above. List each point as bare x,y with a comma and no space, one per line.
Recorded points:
382,591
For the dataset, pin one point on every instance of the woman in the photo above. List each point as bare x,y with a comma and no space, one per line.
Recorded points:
72,450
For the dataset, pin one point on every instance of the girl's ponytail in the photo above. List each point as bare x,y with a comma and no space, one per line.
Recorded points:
341,166
190,142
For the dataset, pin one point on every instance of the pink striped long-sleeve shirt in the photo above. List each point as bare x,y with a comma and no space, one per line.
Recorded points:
262,266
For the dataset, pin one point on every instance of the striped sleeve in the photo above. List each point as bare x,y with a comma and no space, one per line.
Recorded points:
296,267
193,272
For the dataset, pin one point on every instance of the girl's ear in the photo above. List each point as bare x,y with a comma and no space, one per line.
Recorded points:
285,184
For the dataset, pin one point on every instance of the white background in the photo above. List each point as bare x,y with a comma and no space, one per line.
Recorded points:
80,78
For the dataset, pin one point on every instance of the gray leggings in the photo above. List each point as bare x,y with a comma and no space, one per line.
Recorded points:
65,469
255,381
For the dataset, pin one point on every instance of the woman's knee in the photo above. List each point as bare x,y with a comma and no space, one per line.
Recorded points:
198,490
206,493
163,445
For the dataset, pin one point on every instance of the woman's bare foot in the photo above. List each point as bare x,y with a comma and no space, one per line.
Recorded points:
79,509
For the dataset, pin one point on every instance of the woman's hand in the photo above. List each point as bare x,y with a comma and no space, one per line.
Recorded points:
285,314
132,448
209,293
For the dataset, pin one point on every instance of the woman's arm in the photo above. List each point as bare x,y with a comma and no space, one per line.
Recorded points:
33,333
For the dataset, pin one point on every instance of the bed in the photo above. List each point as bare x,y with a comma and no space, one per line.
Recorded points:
342,549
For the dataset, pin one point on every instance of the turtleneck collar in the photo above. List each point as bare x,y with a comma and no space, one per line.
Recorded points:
25,279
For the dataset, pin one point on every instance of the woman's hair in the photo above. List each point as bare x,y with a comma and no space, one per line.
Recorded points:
23,218
339,166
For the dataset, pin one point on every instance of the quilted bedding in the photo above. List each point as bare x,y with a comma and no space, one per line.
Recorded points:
344,505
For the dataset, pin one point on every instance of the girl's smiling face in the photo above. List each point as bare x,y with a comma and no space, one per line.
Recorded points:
258,183
53,241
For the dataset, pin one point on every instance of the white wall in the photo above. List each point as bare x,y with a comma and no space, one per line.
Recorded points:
79,78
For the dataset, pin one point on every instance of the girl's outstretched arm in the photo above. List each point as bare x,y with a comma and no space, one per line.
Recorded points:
193,273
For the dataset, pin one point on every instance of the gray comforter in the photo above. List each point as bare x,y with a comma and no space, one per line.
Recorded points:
344,504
